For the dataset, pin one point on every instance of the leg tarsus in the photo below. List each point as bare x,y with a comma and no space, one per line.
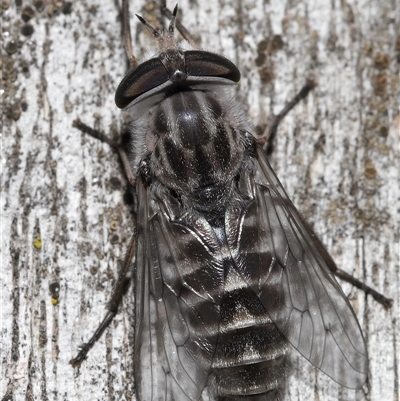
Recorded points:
77,361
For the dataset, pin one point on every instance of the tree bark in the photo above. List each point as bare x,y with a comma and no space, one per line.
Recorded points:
65,223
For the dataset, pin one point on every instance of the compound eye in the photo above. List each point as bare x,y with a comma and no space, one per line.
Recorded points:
205,64
140,80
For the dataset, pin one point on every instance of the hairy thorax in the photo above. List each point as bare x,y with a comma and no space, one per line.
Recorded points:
197,153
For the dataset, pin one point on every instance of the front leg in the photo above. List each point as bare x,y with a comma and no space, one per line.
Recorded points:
123,276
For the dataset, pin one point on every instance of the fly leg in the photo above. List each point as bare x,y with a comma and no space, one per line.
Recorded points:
127,38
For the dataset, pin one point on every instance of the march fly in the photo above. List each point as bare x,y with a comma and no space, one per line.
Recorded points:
228,276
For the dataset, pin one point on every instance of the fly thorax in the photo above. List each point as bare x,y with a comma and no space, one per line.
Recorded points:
198,152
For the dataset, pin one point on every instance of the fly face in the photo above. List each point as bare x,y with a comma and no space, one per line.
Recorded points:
228,275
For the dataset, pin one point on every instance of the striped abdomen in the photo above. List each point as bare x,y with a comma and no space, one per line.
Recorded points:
249,362
247,352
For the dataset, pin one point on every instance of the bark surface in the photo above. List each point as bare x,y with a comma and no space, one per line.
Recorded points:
65,225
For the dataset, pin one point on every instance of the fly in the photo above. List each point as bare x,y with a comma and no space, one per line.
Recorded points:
228,276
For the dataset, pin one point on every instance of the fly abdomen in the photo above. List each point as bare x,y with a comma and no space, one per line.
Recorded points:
249,362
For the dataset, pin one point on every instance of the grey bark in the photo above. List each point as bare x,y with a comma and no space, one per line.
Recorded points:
337,155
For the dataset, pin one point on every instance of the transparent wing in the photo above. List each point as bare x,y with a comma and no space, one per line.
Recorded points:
287,267
179,280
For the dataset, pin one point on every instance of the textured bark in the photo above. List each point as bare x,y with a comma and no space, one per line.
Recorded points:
337,155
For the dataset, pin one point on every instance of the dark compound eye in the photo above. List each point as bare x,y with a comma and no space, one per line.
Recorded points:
206,64
142,79
192,67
